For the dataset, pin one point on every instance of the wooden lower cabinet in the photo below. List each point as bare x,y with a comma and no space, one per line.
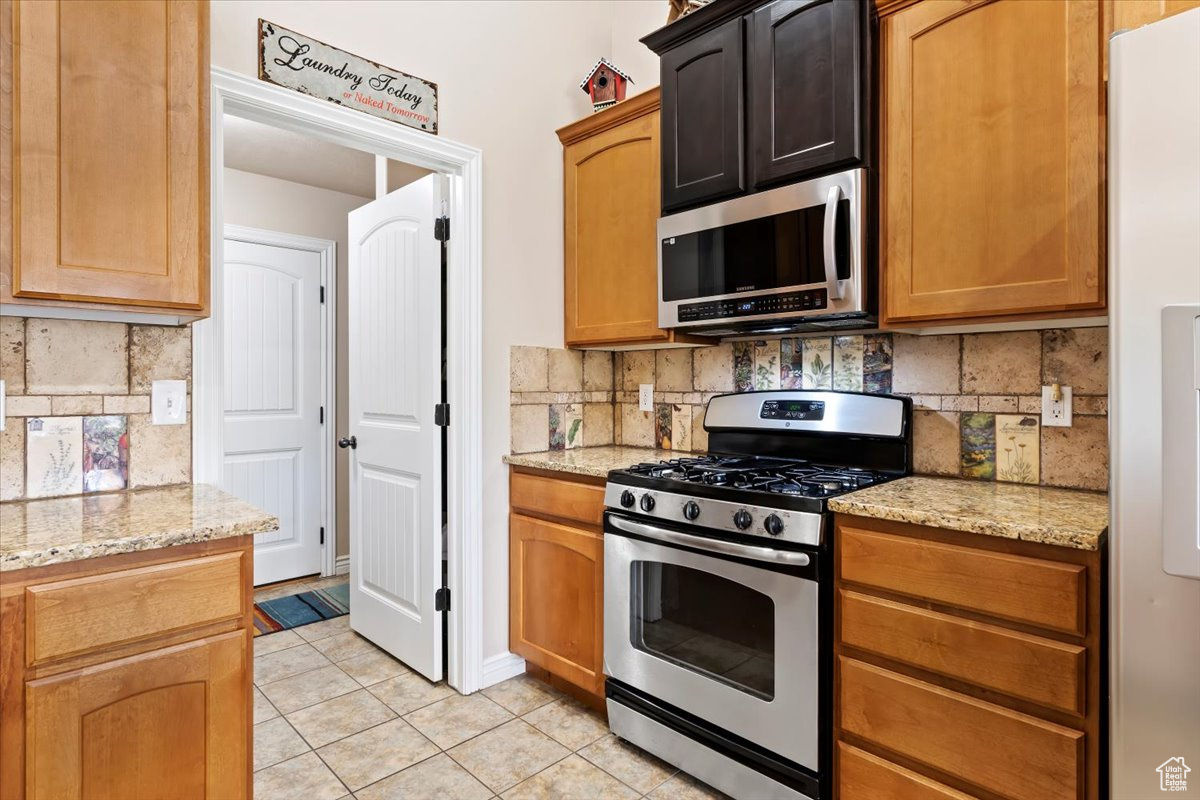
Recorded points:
966,666
556,579
153,700
177,717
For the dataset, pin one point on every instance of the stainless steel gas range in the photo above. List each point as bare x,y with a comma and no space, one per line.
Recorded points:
718,586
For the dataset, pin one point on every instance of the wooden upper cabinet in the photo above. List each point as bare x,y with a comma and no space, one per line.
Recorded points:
993,120
1135,13
610,207
702,123
110,153
806,84
179,714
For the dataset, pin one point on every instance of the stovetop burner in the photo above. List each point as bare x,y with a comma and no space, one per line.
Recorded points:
764,474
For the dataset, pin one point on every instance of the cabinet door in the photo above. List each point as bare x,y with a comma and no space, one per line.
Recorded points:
110,139
124,730
703,107
993,168
806,82
610,207
556,584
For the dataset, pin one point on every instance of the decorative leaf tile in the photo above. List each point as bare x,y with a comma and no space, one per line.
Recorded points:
766,365
743,366
818,364
848,363
662,425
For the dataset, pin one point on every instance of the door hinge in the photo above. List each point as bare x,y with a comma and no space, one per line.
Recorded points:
441,229
322,536
322,294
441,599
441,415
322,415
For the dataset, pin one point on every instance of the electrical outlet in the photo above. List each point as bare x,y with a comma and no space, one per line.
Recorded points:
645,396
1056,413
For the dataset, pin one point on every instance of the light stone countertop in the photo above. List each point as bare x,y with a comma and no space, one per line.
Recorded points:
592,461
1063,517
34,533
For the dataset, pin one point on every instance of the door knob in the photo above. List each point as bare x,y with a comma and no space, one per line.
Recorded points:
352,442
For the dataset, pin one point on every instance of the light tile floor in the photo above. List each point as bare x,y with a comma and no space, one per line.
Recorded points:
335,717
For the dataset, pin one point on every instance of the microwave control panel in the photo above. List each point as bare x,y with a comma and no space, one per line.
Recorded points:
809,300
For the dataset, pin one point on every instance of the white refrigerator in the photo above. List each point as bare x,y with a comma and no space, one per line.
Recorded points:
1154,408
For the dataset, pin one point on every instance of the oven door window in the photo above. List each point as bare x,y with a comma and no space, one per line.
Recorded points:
705,623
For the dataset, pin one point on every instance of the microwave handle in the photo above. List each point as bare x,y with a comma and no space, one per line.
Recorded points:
835,286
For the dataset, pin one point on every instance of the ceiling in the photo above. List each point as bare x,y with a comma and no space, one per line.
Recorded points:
266,150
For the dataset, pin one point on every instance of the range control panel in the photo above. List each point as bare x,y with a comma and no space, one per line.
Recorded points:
793,409
809,300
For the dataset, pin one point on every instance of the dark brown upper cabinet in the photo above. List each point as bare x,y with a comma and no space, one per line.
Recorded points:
702,118
805,88
758,94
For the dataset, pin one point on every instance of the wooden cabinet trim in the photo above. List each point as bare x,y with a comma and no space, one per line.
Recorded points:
1046,594
1042,671
1002,751
79,615
639,105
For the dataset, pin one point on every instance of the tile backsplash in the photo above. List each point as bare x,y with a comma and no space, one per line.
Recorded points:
78,407
976,397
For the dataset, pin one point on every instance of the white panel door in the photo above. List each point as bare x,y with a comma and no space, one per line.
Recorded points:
272,354
395,383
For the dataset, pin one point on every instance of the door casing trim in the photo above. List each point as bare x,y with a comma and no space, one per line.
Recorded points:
243,96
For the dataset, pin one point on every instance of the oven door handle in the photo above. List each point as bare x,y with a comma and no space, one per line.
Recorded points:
721,546
835,287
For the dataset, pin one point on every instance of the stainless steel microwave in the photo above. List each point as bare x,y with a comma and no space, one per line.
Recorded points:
789,259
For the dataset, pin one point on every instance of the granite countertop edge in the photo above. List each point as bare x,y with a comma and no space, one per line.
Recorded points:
1070,518
222,516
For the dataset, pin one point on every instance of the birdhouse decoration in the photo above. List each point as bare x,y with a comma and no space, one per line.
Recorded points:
605,85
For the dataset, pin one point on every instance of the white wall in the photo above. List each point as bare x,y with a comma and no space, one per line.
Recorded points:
508,76
258,201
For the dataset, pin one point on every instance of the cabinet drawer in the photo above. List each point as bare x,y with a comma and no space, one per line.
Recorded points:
548,497
1030,667
76,616
862,776
1047,594
1003,751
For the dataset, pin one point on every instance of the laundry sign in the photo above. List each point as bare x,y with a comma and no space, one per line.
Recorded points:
299,62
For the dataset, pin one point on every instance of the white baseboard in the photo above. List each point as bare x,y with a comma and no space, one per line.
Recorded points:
341,565
500,668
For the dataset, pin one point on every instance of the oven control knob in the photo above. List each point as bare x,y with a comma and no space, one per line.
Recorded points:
773,524
691,510
647,503
743,519
627,499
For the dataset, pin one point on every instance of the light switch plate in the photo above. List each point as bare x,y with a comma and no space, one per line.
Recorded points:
168,402
645,396
1056,415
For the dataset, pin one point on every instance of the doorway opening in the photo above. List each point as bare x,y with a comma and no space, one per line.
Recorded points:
391,403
